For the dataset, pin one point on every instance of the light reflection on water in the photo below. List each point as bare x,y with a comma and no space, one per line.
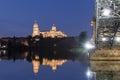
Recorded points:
23,70
37,66
106,70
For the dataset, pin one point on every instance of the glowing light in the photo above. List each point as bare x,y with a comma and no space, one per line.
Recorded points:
37,39
4,46
117,39
106,12
104,39
4,51
36,57
89,73
89,46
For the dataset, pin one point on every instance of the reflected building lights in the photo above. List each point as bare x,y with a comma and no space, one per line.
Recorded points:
36,60
37,57
25,43
46,62
53,63
26,54
36,65
4,51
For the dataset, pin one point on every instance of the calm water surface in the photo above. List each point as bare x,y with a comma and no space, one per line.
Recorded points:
35,66
23,70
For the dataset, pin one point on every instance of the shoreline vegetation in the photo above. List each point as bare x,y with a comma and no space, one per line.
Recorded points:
38,43
65,47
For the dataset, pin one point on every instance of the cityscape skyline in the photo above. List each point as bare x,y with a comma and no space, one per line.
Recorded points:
71,17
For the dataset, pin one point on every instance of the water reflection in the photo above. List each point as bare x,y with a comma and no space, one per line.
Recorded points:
97,70
46,62
52,59
106,70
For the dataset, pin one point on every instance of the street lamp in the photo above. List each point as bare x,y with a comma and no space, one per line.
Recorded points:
104,39
117,39
107,12
89,45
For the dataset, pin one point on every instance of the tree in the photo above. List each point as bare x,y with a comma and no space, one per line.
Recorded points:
83,37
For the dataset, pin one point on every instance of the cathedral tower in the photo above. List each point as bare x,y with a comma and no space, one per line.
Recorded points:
54,28
36,31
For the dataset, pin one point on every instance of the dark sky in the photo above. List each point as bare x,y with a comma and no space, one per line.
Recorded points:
70,16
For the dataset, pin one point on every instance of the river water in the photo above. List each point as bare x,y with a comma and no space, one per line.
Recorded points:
46,66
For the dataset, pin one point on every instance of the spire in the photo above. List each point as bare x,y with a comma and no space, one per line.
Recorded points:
36,31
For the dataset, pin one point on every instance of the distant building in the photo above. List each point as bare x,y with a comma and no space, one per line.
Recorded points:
51,33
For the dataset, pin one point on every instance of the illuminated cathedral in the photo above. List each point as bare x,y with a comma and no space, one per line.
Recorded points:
53,33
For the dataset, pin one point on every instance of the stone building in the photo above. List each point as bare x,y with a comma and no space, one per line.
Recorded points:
50,33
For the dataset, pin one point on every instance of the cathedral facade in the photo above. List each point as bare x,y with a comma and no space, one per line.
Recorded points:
53,33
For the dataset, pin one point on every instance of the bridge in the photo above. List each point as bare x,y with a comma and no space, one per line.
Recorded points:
106,25
105,60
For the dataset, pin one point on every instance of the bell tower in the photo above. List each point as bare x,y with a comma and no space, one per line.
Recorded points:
36,31
54,28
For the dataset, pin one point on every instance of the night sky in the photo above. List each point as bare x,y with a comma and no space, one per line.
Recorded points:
17,18
70,16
